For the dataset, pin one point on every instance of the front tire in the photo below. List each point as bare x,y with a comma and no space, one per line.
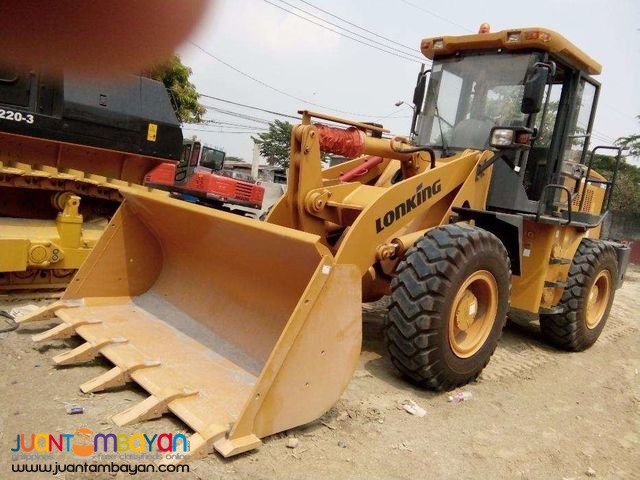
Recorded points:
449,304
586,300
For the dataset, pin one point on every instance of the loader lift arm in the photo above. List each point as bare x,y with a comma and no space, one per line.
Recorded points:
373,213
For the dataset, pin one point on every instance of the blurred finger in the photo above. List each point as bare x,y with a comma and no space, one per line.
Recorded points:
96,36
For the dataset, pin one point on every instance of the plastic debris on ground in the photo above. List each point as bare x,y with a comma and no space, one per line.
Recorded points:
74,409
413,408
18,312
460,397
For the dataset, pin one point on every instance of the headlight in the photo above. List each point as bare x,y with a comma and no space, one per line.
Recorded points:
501,137
511,138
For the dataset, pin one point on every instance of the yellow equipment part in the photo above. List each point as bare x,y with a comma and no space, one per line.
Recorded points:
60,246
244,328
277,321
39,177
41,253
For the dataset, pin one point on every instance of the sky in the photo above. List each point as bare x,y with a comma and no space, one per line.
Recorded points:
289,57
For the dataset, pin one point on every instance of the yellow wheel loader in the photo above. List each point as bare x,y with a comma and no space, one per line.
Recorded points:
244,328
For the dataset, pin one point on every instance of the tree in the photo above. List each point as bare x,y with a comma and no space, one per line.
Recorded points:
275,144
175,76
626,195
632,142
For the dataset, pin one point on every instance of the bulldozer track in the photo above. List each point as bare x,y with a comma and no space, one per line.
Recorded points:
43,177
35,177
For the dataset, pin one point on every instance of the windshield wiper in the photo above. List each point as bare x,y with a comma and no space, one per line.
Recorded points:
445,148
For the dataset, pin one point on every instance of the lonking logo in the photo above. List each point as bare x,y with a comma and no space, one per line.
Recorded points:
423,193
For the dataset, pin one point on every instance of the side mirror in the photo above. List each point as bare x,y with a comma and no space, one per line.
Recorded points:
534,88
418,92
418,97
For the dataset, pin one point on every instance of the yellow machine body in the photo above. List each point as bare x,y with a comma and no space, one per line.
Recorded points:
45,185
263,319
269,335
513,40
37,244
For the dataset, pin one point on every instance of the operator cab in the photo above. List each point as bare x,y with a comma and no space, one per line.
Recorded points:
528,95
198,157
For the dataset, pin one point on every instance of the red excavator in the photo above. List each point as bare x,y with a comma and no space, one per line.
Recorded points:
198,177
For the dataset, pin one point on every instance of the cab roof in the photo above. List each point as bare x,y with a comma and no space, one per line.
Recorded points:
532,38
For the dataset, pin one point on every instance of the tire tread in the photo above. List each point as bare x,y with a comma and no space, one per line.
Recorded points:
423,279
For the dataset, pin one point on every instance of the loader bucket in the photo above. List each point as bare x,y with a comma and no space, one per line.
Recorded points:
240,328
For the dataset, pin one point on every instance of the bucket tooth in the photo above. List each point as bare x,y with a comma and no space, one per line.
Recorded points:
201,444
116,377
56,308
61,331
85,352
48,311
229,447
150,408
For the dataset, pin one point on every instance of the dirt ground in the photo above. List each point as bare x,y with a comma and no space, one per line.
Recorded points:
535,412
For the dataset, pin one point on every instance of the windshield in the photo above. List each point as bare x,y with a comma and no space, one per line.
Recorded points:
467,96
212,158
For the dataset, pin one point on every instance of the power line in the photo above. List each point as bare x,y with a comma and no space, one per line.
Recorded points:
620,112
381,117
264,120
231,113
385,48
268,122
410,59
418,7
213,121
271,87
246,132
280,114
407,2
602,138
228,127
358,26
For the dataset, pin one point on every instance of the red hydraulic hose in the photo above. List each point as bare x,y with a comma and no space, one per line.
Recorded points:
361,169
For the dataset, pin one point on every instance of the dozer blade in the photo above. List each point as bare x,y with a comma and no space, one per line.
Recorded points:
240,328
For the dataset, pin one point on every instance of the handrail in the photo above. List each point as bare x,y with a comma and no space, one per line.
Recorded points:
610,184
543,198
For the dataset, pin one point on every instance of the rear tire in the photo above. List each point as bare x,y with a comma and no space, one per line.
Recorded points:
586,300
449,304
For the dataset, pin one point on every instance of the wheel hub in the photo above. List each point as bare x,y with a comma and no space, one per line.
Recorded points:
473,313
598,299
466,311
593,296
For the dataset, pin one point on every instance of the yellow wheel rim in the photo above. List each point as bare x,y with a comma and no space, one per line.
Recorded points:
473,313
598,299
